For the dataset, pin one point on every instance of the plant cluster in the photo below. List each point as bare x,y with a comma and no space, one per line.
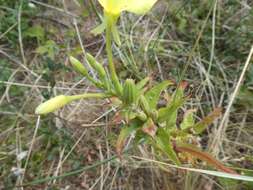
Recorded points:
148,110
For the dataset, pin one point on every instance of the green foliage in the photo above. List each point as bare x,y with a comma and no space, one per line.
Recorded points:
137,103
49,48
163,142
9,14
5,73
151,112
153,94
37,32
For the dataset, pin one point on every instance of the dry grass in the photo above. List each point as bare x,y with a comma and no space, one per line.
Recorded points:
205,43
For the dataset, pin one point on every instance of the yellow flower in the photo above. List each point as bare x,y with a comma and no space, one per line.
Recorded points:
112,10
115,7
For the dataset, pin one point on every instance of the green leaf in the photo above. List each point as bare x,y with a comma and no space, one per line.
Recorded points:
115,35
204,156
164,144
169,113
149,128
153,94
229,183
205,122
208,172
50,48
245,97
99,29
188,120
124,133
36,32
141,84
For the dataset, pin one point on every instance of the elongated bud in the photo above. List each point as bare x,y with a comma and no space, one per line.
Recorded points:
97,66
129,92
100,69
52,104
78,66
145,105
142,116
60,101
154,114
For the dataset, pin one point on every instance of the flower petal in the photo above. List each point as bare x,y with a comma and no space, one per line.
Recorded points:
139,6
113,6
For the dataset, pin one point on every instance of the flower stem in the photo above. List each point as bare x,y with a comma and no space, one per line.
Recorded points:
88,95
112,69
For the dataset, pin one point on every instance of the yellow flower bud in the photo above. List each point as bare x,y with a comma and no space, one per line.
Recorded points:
60,101
52,104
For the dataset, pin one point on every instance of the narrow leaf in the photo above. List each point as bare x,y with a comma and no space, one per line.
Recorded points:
153,94
188,120
208,172
115,35
165,114
149,128
99,29
124,133
205,122
169,113
164,143
142,83
204,156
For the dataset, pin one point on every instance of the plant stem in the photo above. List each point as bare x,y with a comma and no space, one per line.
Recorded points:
112,69
88,95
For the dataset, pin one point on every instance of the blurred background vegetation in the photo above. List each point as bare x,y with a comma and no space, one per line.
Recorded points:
205,42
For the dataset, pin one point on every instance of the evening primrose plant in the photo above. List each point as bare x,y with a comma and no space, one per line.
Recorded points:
138,103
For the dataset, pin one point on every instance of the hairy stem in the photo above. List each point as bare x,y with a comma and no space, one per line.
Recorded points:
88,95
112,69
